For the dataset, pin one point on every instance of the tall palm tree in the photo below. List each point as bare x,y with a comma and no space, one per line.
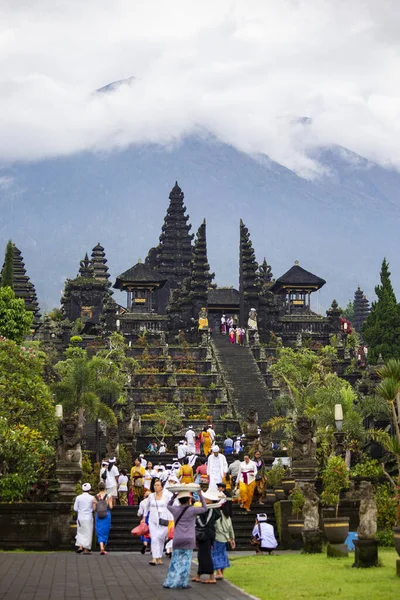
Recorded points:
87,388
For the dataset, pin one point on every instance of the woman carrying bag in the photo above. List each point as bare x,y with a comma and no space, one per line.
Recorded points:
137,481
159,516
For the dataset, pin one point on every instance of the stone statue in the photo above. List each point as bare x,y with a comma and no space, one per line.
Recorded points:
265,439
203,319
252,320
252,423
263,356
257,339
169,367
304,440
299,340
69,444
112,441
368,512
310,508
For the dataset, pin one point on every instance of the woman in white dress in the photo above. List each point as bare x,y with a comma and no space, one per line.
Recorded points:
159,516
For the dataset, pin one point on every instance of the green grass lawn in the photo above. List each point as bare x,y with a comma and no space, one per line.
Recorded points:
296,576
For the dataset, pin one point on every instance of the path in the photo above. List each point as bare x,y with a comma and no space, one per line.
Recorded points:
118,576
243,375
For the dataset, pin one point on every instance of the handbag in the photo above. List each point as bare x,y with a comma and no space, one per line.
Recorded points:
138,482
162,522
202,533
256,540
141,529
258,477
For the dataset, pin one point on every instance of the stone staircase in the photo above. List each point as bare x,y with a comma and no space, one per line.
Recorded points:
241,373
124,518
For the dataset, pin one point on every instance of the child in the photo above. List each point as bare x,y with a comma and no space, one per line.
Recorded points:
123,488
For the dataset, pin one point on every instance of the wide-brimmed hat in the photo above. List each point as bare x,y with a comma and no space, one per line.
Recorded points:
213,495
262,517
183,495
86,487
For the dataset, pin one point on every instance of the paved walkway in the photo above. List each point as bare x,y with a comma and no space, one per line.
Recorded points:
118,576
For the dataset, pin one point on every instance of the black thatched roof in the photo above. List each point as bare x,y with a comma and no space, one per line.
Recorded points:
139,273
297,276
223,297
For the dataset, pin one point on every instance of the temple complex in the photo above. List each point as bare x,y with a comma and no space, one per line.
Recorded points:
361,310
24,288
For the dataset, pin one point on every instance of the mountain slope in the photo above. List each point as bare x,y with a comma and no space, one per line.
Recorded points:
339,227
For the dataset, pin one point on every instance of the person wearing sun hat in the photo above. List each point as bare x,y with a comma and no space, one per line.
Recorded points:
265,533
83,505
184,542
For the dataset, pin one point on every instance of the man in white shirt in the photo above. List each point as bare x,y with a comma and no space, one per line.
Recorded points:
237,445
211,431
191,438
217,468
265,533
83,505
181,450
143,461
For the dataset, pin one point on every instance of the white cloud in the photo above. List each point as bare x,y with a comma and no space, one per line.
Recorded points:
242,70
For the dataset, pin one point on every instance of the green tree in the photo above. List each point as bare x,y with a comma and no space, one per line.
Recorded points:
348,312
15,320
381,330
28,424
7,273
88,388
168,421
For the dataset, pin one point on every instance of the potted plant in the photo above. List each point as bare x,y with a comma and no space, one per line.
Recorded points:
335,478
274,479
296,524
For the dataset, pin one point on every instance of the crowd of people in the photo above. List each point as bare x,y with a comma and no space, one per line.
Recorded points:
229,326
176,524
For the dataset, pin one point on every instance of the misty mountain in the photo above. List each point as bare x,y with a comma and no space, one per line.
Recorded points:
339,227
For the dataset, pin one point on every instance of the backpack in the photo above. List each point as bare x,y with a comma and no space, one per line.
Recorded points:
101,507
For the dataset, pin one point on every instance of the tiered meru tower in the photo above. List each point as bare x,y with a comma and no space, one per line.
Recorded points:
23,287
86,295
361,310
249,282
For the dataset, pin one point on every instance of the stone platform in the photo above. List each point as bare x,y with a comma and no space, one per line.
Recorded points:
118,576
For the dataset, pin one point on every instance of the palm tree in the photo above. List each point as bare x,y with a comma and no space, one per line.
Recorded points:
389,390
88,388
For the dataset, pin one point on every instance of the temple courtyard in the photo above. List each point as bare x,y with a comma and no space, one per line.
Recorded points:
120,576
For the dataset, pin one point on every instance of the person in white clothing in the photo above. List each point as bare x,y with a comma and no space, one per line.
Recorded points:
111,480
123,488
212,433
143,461
162,449
191,440
159,515
265,533
148,476
181,450
217,468
246,482
237,445
83,505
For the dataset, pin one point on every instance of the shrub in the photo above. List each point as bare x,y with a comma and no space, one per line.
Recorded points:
335,478
297,498
369,468
275,475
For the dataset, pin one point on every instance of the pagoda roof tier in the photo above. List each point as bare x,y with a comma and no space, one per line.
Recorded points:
139,275
297,278
223,298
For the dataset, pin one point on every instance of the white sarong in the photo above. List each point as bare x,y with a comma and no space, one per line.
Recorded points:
84,534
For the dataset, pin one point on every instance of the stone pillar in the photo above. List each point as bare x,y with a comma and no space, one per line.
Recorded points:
366,553
68,458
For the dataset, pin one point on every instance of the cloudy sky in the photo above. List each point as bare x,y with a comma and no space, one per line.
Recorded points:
246,71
